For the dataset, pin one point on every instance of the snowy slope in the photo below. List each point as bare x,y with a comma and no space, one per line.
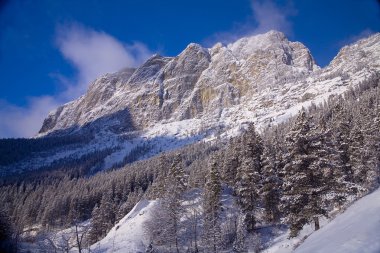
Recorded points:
128,235
356,230
169,102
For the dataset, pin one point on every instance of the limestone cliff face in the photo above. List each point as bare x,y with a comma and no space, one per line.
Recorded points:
254,74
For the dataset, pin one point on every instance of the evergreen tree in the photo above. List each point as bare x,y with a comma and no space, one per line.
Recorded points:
271,190
248,176
231,162
304,184
211,208
172,200
341,137
96,231
159,184
239,245
103,218
6,240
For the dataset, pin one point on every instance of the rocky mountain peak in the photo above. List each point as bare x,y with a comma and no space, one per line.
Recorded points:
247,80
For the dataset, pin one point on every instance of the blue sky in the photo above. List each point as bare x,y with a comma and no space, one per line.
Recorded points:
50,49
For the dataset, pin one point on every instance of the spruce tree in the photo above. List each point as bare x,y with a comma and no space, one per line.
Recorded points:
96,231
304,184
248,176
211,208
341,139
172,200
6,243
271,189
159,184
231,162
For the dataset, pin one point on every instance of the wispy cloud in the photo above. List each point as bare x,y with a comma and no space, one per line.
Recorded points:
353,38
92,53
24,121
266,15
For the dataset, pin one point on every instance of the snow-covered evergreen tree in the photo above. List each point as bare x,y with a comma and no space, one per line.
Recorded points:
304,181
248,177
231,162
271,189
211,209
159,184
341,136
171,203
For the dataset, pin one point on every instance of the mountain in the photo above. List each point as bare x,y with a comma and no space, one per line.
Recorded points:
202,93
237,187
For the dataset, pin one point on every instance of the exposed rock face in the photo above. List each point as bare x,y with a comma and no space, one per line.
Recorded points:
172,101
262,78
198,82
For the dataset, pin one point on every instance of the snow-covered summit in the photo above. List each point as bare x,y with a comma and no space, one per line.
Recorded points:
263,78
198,82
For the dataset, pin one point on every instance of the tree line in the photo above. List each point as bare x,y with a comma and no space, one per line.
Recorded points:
293,174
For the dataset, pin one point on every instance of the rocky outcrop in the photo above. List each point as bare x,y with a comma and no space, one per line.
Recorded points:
252,75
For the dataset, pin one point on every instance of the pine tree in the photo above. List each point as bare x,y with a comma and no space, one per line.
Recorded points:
159,184
103,218
248,176
373,140
240,245
6,243
341,139
271,189
172,200
96,231
231,162
357,155
304,184
211,208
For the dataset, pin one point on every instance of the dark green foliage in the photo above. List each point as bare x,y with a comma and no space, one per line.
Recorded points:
248,178
331,154
211,209
13,150
7,243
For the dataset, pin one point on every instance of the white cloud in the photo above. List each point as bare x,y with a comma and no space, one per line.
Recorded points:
25,121
266,16
269,16
354,38
92,53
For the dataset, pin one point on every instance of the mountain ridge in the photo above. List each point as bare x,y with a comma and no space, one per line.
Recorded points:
185,86
202,93
187,69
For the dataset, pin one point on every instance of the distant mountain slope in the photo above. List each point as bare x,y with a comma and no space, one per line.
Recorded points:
169,102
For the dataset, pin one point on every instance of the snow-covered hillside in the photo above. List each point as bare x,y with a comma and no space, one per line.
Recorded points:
128,235
355,230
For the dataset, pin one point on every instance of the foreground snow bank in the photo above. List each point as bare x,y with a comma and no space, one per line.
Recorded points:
356,230
128,235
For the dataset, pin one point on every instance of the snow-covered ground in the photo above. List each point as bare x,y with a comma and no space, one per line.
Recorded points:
356,230
128,236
